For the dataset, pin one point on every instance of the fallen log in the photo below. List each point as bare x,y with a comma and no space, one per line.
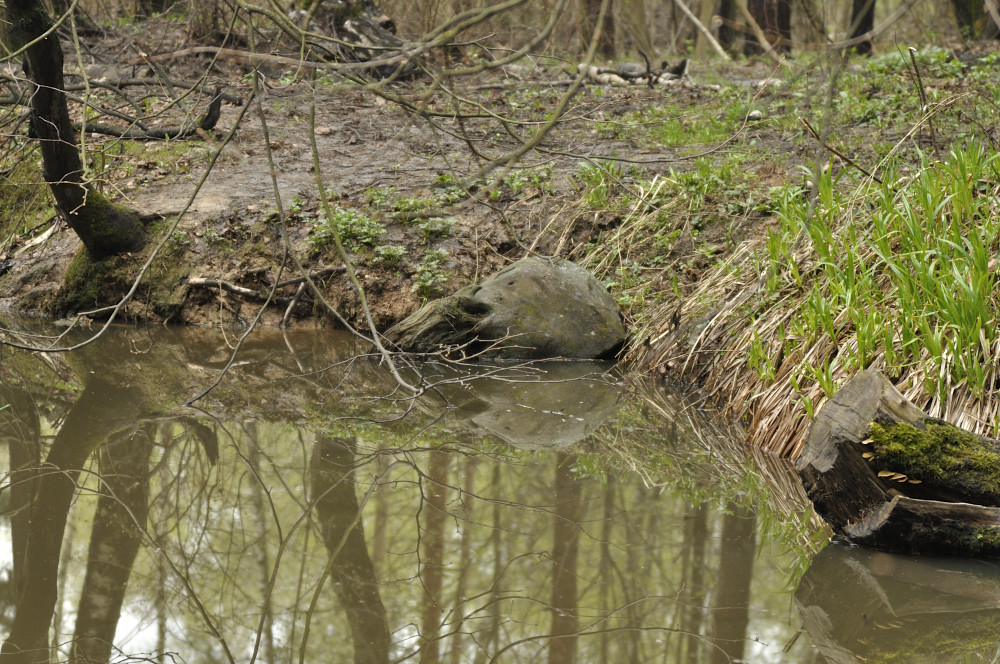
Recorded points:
887,476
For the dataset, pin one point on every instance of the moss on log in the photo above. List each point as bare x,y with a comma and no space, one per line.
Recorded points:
885,475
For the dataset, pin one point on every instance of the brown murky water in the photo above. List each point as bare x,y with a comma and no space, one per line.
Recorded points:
308,509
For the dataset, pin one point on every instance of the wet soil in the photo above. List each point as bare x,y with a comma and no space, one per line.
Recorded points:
377,159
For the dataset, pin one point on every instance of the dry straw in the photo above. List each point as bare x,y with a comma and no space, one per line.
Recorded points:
898,276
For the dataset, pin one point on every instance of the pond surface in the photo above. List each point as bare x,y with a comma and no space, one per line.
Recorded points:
310,509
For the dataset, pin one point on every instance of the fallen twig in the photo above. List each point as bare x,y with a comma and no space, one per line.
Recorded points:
206,123
243,291
839,153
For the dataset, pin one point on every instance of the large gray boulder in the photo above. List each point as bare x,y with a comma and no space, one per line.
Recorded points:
534,308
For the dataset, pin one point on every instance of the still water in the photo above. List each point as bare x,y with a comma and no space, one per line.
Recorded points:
310,509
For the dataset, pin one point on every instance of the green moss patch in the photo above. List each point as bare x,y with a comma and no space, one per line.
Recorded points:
90,284
941,454
25,201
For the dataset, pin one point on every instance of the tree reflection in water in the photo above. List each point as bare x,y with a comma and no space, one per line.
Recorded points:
339,517
284,523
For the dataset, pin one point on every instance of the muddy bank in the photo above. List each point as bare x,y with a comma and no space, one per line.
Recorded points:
414,221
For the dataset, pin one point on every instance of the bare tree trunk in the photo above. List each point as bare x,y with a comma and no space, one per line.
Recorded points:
727,35
589,12
638,25
114,543
105,228
775,19
862,21
973,22
565,549
701,41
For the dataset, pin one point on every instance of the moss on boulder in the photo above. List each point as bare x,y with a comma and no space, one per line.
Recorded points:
534,308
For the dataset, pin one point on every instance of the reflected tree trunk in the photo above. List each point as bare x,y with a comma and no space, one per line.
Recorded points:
261,516
339,515
464,560
731,607
693,574
161,610
605,569
20,430
119,523
487,642
432,541
381,520
565,549
101,411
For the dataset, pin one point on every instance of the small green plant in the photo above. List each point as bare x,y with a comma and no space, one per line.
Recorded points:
450,195
213,237
379,196
354,228
600,182
431,273
178,241
538,177
434,227
389,254
412,204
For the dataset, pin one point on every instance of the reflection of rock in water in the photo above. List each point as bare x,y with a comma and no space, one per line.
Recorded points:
862,605
552,407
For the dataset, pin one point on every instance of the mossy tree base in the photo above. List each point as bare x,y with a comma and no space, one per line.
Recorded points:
105,228
92,284
885,475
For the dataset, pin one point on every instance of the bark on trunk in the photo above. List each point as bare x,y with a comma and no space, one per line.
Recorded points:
775,18
862,21
973,22
885,475
590,10
105,228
